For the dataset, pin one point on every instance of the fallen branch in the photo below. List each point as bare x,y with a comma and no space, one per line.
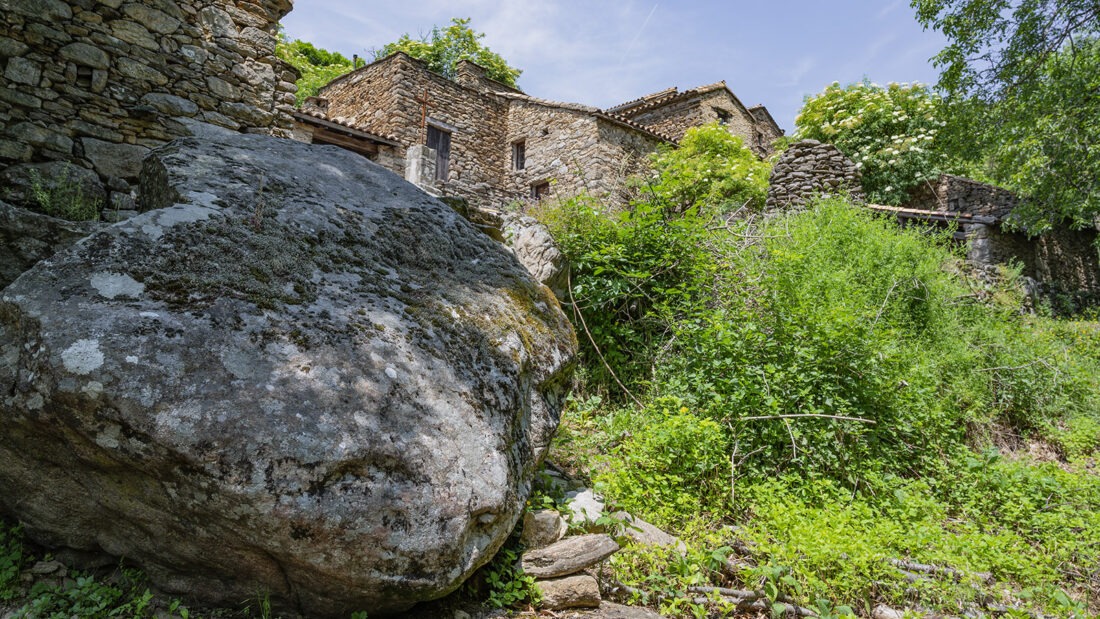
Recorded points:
796,416
985,577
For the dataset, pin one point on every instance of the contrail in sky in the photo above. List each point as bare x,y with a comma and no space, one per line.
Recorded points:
639,35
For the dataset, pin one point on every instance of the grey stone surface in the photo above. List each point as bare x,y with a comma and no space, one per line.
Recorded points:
568,556
86,54
300,376
110,159
542,528
537,251
27,237
646,534
171,104
585,505
23,71
580,591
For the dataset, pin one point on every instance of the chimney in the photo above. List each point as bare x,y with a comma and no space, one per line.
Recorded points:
470,74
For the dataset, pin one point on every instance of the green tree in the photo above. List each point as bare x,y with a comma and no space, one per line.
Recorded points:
444,48
713,169
892,133
1021,79
317,66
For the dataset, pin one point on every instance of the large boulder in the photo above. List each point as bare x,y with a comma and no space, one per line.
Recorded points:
298,376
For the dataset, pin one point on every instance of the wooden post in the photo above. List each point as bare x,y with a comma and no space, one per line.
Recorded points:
424,100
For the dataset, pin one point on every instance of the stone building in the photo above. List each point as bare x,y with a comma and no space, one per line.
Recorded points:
1064,260
92,86
672,112
481,140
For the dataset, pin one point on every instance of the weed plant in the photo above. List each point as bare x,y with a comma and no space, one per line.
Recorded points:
831,392
64,198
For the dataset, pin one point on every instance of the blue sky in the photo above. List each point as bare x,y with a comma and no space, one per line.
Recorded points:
601,52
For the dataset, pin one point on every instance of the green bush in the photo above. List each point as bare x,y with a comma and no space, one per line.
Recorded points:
711,169
633,273
892,133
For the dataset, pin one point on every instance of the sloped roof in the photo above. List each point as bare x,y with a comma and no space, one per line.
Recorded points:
323,120
668,95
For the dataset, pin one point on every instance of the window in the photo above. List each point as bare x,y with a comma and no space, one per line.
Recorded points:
439,140
723,117
540,190
519,155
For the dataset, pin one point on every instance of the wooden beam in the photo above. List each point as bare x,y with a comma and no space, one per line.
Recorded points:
362,146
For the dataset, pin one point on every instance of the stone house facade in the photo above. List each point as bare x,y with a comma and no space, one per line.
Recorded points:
672,112
478,139
95,85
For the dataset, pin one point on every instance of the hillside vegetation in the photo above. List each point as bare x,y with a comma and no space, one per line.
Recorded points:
818,402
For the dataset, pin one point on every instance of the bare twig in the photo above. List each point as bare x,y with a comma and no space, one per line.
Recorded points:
985,577
580,316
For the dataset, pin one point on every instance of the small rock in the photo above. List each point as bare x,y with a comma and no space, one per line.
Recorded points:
646,534
49,567
586,505
542,528
580,591
110,159
568,556
885,612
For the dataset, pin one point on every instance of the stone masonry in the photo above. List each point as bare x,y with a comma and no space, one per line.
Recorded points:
97,83
566,148
505,146
808,169
1061,259
673,112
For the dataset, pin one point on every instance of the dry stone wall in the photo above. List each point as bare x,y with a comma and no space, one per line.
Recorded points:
573,150
97,83
809,169
962,195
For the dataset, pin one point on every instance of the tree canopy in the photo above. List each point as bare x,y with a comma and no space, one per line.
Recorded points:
317,66
1022,82
443,48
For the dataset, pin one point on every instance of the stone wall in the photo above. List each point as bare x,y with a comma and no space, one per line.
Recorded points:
675,118
573,150
962,195
386,97
97,83
809,169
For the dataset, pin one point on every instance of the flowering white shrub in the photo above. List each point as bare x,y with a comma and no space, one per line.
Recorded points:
889,132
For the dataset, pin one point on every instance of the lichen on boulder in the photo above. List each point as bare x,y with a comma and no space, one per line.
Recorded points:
295,375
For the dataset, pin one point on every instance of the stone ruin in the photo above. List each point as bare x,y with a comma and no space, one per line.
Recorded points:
87,87
809,169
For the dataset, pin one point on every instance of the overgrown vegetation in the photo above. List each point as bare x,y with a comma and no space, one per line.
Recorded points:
317,66
892,133
828,400
1021,77
443,48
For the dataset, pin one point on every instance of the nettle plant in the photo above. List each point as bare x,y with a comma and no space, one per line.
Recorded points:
889,131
